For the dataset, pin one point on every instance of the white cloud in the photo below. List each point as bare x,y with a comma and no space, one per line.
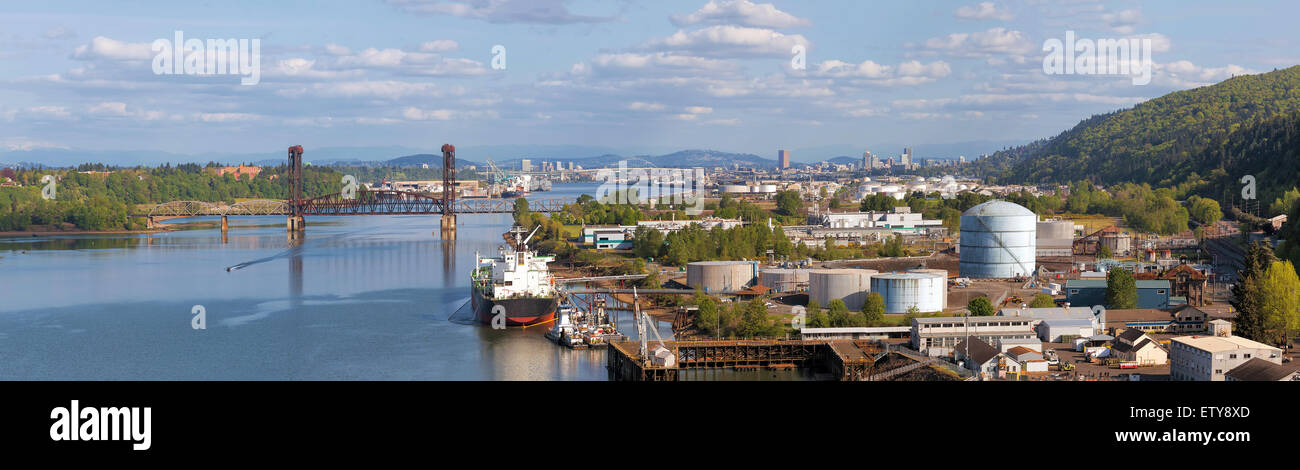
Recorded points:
740,12
728,41
982,11
24,144
59,32
643,106
870,72
1124,21
336,50
104,48
440,45
997,40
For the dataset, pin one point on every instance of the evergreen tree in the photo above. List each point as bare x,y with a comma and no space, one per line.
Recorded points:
1121,289
1248,294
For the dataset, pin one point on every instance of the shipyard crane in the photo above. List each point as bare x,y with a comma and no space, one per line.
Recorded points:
642,320
495,175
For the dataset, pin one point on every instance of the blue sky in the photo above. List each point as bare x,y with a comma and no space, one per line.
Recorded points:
622,74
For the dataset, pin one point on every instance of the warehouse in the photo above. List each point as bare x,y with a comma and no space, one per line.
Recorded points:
1150,294
936,336
1209,358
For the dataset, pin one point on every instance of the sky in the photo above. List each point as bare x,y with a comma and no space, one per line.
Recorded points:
717,74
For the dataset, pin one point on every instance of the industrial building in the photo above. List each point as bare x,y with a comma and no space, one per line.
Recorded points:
926,291
864,332
850,285
1150,294
998,241
1053,324
608,237
721,276
900,217
936,336
1209,358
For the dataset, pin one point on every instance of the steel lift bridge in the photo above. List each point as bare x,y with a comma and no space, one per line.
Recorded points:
355,201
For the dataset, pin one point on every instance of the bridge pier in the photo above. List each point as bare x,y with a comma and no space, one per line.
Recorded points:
295,223
447,227
225,225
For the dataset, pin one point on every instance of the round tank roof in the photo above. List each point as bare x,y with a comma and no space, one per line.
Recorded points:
999,209
907,275
719,263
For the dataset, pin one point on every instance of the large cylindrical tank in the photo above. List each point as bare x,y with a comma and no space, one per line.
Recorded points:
721,276
735,188
1056,229
782,279
851,285
766,188
939,272
902,291
998,240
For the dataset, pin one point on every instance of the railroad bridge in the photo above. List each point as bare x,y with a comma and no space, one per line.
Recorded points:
354,201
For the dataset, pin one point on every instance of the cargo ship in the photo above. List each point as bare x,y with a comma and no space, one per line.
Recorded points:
515,287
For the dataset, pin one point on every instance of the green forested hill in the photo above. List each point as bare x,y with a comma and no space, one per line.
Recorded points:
1166,140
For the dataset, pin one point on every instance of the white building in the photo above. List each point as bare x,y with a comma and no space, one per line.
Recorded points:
1208,358
937,336
1133,345
900,217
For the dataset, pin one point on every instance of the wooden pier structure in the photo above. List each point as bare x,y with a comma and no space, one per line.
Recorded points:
847,360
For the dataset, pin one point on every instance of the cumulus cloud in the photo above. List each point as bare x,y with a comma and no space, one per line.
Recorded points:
906,73
740,12
501,11
997,40
102,48
730,41
982,11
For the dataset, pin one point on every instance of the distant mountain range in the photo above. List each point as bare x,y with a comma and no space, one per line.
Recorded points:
506,156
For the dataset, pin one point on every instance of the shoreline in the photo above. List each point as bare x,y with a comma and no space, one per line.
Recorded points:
47,233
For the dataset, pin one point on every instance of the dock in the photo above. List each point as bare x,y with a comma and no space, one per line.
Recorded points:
847,360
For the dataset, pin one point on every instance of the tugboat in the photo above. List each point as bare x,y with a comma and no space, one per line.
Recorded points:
515,287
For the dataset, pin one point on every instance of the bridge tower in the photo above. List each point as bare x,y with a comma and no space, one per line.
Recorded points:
448,223
295,222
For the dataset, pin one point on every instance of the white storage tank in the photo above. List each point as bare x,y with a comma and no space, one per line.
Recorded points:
998,240
735,188
901,291
1056,229
766,188
851,285
783,280
940,272
721,276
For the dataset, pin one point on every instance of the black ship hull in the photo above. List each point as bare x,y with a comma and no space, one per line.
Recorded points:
520,311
